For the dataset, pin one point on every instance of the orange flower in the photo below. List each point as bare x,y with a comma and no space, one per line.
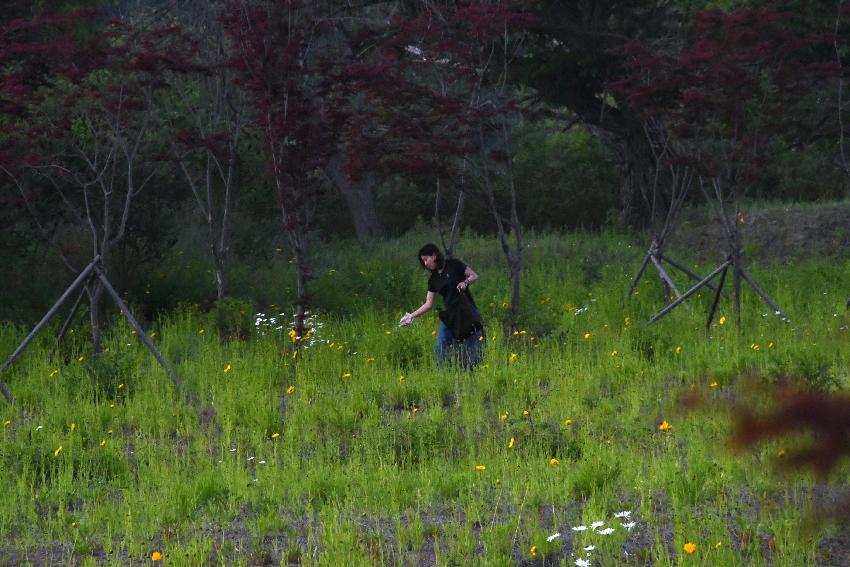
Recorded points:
690,548
156,556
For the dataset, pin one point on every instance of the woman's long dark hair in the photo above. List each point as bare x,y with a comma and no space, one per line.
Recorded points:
431,249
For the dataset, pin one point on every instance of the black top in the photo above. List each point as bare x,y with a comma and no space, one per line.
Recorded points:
445,282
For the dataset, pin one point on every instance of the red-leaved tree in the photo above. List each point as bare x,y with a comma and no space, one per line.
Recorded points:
84,137
283,54
726,99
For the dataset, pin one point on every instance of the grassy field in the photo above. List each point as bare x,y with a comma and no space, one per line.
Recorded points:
570,443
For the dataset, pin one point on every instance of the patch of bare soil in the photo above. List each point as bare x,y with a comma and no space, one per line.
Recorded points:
771,235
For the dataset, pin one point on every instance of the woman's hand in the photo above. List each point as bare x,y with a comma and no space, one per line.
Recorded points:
462,285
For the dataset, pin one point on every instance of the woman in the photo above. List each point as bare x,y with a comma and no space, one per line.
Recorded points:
461,335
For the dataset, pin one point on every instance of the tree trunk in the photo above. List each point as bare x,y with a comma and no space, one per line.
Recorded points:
218,271
303,275
95,291
358,197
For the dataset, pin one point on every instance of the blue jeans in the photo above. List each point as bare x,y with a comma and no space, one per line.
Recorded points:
466,353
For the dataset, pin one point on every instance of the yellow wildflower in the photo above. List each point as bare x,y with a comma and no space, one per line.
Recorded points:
121,386
533,551
514,357
678,349
713,385
401,378
665,426
781,453
82,358
7,422
73,427
690,548
275,435
346,374
568,422
290,390
718,545
200,331
103,442
511,443
433,333
388,333
227,369
587,336
156,556
503,417
370,360
480,468
525,413
722,320
553,461
614,354
54,373
57,451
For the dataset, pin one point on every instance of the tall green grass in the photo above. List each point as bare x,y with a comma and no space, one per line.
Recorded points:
337,459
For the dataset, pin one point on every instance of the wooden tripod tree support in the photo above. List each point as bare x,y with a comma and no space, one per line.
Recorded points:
734,261
681,178
92,270
738,270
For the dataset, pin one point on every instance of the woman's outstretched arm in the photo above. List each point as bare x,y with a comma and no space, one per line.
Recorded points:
427,306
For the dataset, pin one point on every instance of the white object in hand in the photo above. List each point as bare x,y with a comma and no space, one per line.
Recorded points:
405,320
